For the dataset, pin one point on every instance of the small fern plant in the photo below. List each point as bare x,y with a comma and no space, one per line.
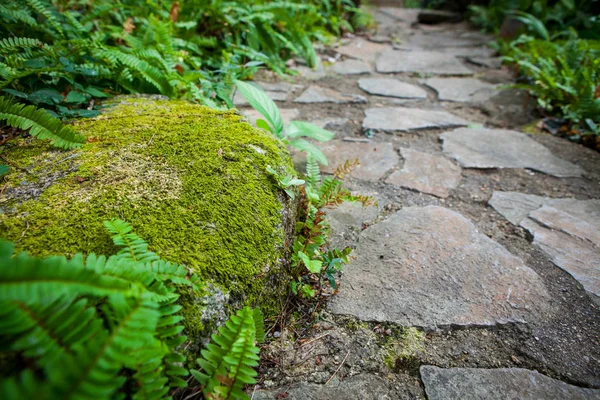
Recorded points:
40,124
228,361
101,328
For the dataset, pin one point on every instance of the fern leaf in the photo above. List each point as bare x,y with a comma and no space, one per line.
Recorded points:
40,124
133,247
313,173
46,10
227,362
43,332
11,44
31,280
93,371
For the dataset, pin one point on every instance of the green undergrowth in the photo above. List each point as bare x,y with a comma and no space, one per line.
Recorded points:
191,179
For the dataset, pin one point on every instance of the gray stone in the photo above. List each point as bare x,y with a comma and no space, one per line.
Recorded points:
565,229
375,158
579,258
312,74
438,17
277,91
461,89
352,67
499,148
391,87
440,41
362,49
357,387
407,119
408,15
334,124
515,206
287,115
498,384
346,219
429,267
317,94
487,62
426,173
564,221
422,62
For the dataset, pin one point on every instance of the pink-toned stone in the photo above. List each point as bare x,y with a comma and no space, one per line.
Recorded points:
426,173
429,267
362,49
375,158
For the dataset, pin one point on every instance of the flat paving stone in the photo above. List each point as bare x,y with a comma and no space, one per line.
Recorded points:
579,258
352,67
498,384
346,219
375,158
407,119
499,148
409,15
440,40
429,267
426,173
362,49
391,87
568,230
423,62
317,94
357,387
461,89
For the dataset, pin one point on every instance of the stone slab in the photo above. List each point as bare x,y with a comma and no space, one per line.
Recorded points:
352,67
579,258
461,89
429,267
568,230
375,158
357,387
346,219
391,87
239,100
441,40
499,148
421,62
409,15
362,49
317,94
498,384
407,119
426,173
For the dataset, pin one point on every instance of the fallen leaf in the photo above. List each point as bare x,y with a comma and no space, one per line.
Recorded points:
174,11
128,26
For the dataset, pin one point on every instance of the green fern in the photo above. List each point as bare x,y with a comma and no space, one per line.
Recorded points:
133,247
227,362
40,124
11,44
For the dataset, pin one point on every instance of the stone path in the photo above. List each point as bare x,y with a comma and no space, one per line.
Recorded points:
477,276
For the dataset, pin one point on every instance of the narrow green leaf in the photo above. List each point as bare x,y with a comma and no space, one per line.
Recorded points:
297,129
262,103
311,149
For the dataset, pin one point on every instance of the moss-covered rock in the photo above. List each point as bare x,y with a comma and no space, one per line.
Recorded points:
191,180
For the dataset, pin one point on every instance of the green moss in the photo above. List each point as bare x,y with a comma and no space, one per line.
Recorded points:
191,181
401,346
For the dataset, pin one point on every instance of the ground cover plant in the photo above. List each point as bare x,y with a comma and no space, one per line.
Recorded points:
108,327
555,47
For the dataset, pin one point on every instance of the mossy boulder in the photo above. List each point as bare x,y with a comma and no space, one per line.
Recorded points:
191,180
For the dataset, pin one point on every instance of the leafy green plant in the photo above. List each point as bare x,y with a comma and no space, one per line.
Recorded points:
99,328
565,79
286,182
227,362
311,255
294,133
40,124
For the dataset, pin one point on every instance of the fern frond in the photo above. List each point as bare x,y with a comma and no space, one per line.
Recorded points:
46,10
133,247
313,173
32,280
44,332
40,124
227,362
16,14
93,371
11,44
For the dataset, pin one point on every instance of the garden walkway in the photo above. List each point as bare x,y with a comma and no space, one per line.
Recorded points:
486,239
